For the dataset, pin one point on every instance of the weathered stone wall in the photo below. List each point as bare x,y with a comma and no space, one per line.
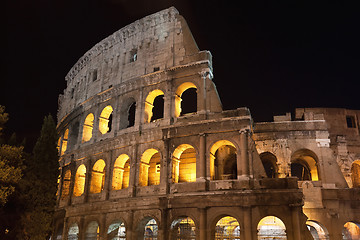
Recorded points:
123,165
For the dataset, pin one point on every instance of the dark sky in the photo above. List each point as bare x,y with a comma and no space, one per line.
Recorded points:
269,56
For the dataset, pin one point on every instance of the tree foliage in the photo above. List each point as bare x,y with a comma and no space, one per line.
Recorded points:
10,164
40,184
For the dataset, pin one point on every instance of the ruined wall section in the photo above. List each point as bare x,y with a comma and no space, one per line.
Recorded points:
152,44
344,129
287,140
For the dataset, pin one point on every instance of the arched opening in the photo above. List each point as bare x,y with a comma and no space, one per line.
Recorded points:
105,120
355,174
66,185
147,229
304,165
183,228
271,227
131,115
318,231
74,133
154,105
227,228
127,113
97,177
185,99
64,141
88,128
73,233
92,231
269,162
158,110
121,172
223,161
116,231
79,184
149,168
184,164
351,231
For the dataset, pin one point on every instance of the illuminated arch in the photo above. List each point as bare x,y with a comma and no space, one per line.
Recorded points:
149,173
223,160
80,176
304,165
184,164
121,172
149,104
227,228
92,231
64,141
317,230
271,227
117,231
269,162
73,233
105,120
66,184
97,177
147,229
178,94
88,127
351,231
183,228
355,174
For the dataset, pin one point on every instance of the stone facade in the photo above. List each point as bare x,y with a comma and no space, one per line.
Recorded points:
146,151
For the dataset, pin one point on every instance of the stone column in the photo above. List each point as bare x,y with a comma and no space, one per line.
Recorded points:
163,232
65,228
203,224
296,222
243,159
102,226
108,175
202,95
129,226
164,170
201,166
134,169
87,180
247,220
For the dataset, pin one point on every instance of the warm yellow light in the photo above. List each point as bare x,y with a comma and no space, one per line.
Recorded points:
88,127
147,175
121,172
351,231
180,90
104,119
97,177
184,164
213,150
149,103
64,141
355,174
271,227
80,180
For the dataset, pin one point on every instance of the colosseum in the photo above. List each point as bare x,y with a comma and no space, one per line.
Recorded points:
147,151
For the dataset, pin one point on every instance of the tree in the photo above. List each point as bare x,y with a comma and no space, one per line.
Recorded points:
40,185
10,164
11,171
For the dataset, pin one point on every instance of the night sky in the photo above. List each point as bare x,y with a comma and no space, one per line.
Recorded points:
269,56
